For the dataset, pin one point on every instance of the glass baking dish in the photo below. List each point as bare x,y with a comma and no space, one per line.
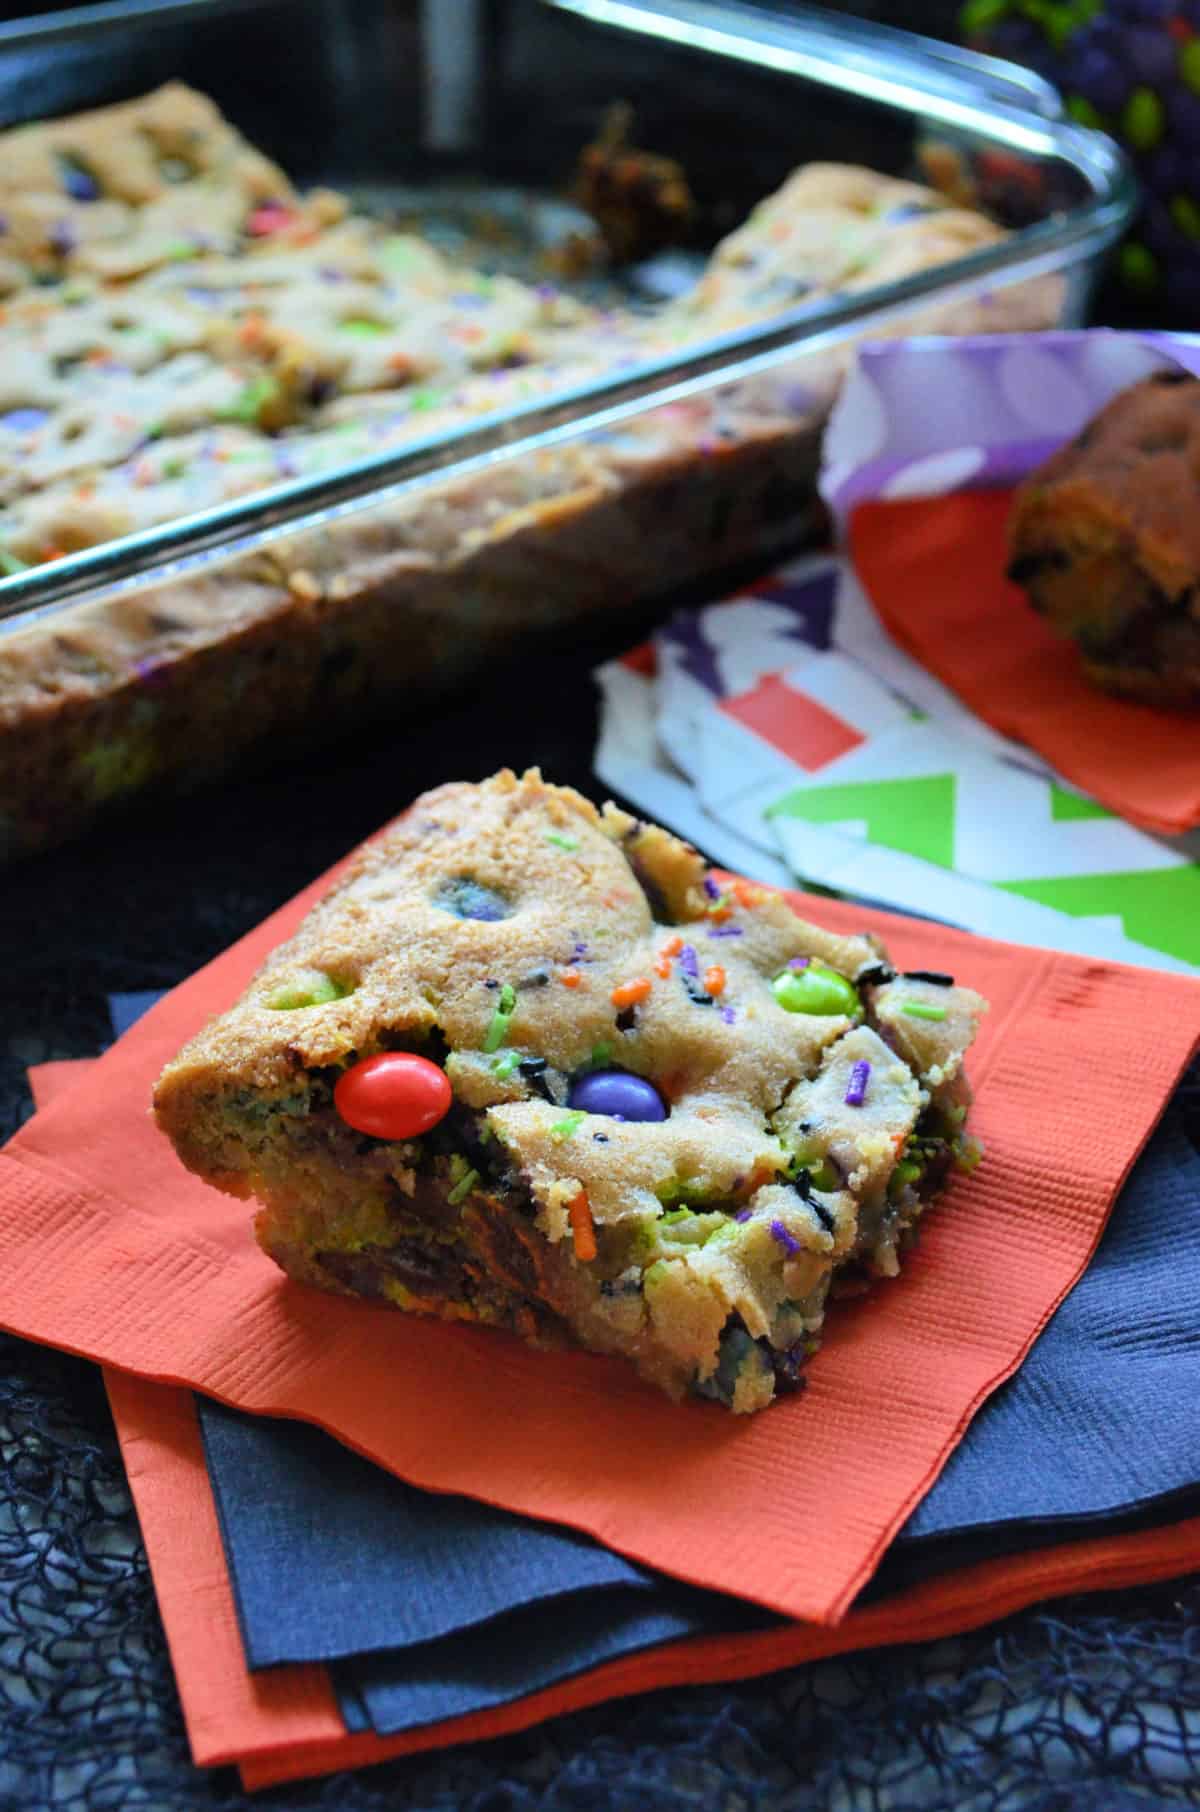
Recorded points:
468,117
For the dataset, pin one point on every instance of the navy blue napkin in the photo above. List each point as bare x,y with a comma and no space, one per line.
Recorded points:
429,1607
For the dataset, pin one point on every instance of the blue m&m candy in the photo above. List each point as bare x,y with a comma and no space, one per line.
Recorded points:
619,1094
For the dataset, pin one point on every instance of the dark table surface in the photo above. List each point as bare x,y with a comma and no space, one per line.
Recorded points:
1091,1703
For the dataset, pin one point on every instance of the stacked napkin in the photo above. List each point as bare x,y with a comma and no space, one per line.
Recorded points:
322,1613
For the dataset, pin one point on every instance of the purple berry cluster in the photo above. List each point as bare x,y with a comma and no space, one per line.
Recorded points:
1130,68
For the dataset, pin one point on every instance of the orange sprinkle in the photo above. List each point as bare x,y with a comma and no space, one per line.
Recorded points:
719,915
662,965
583,1227
714,979
50,552
630,992
673,946
748,895
251,329
570,978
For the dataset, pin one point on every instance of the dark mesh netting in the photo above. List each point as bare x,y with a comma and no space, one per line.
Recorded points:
1090,1704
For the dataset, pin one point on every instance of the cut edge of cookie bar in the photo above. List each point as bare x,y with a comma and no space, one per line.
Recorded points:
523,941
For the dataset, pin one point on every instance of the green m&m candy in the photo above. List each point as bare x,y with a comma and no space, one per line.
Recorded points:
813,989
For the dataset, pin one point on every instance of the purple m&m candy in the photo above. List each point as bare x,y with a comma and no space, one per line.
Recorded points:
618,1093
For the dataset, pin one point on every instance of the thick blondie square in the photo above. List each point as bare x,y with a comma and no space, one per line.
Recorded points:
529,1064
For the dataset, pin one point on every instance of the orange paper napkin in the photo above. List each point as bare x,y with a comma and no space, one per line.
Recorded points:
109,1249
285,1724
934,569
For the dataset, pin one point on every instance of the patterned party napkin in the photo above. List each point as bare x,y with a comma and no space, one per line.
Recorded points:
108,1248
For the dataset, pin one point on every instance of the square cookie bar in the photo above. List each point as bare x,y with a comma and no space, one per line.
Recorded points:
528,1064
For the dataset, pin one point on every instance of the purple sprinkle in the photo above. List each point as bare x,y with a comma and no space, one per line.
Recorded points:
580,953
329,274
728,1015
800,962
688,961
859,1077
24,421
62,238
285,465
780,1233
150,671
743,1214
727,931
711,888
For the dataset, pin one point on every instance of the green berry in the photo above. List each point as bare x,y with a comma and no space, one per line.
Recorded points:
1083,113
815,990
1186,215
978,16
1138,268
1143,120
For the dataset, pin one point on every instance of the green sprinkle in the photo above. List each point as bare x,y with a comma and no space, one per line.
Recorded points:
174,467
561,841
362,327
247,403
420,400
505,1064
601,1054
919,1009
568,1126
312,989
968,1156
676,1215
907,1171
497,1030
463,1187
9,564
821,1173
180,250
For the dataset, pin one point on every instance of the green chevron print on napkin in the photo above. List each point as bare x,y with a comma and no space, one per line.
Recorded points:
914,816
1159,906
1065,806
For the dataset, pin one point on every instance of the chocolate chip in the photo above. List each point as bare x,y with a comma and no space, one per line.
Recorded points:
934,976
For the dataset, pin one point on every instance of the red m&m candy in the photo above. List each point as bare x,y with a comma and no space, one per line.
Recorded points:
393,1096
